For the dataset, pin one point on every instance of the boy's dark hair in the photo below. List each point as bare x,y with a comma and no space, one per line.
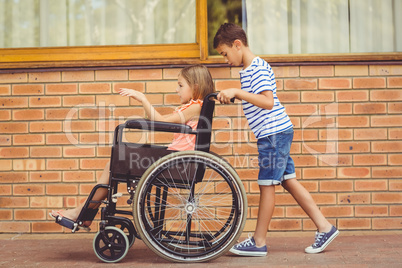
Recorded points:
228,33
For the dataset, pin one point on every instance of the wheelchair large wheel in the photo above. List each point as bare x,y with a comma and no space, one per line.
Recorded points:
190,207
111,245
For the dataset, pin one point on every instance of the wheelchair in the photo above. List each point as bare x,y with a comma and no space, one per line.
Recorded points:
188,206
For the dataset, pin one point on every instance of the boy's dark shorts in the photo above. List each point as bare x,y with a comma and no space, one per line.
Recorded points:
274,159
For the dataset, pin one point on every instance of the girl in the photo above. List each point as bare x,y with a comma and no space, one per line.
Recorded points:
194,83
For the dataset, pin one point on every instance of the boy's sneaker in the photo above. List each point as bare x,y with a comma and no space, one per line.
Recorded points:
249,248
322,240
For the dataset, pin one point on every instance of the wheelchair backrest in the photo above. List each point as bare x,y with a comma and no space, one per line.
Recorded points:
204,128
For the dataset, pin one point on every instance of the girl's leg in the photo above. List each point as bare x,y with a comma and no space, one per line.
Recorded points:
100,195
306,202
265,212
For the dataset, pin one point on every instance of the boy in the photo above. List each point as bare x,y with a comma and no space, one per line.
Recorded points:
274,131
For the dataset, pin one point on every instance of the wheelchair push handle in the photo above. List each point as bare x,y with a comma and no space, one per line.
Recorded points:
215,96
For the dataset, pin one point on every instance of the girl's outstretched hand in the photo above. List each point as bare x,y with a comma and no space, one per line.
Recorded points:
132,93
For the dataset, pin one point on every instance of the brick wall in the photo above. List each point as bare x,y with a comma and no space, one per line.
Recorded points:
56,128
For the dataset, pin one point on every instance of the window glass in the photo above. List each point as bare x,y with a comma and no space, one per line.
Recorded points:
52,23
313,26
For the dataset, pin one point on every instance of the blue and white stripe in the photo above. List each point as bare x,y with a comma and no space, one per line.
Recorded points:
259,77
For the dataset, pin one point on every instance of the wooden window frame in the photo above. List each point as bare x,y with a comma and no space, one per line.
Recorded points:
114,56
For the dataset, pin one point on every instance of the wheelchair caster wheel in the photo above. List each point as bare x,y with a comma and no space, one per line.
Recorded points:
111,245
127,229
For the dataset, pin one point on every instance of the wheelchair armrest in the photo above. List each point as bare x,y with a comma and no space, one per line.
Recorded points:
158,126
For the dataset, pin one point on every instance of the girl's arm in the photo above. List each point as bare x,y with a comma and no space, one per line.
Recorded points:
179,117
263,100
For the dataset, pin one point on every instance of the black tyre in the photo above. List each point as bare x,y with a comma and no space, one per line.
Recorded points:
111,245
190,207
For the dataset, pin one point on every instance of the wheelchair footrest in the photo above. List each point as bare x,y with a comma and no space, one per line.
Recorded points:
70,224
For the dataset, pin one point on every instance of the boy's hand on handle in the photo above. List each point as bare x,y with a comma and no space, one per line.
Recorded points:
132,93
226,96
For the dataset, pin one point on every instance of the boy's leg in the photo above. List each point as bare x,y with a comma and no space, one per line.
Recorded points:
265,212
306,202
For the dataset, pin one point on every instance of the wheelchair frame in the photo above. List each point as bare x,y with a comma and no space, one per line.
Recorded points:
188,206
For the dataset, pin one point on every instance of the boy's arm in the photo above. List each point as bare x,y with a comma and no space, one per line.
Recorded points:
263,100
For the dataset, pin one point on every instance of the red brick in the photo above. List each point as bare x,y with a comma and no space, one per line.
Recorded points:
232,110
78,76
14,152
352,96
386,95
28,189
384,224
387,198
29,164
315,121
28,89
5,90
62,164
82,101
354,198
385,70
6,215
293,212
387,172
336,134
135,86
78,152
59,139
351,70
335,83
13,102
298,84
369,82
356,223
336,186
353,121
324,198
305,135
15,227
371,211
112,100
93,163
6,165
45,176
46,227
370,160
13,78
13,177
353,172
395,82
305,160
14,202
29,214
225,84
386,121
44,77
44,101
78,176
29,139
61,189
319,173
28,115
79,126
337,211
386,146
283,71
285,224
5,190
5,115
111,75
94,113
288,97
316,71
145,74
395,210
61,114
45,127
370,108
301,109
220,73
395,159
370,134
61,89
98,88
395,108
371,185
317,96
395,185
5,140
46,151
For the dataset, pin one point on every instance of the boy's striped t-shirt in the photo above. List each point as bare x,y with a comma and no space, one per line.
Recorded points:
256,78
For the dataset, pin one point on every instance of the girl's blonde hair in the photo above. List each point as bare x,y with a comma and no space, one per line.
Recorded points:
199,79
